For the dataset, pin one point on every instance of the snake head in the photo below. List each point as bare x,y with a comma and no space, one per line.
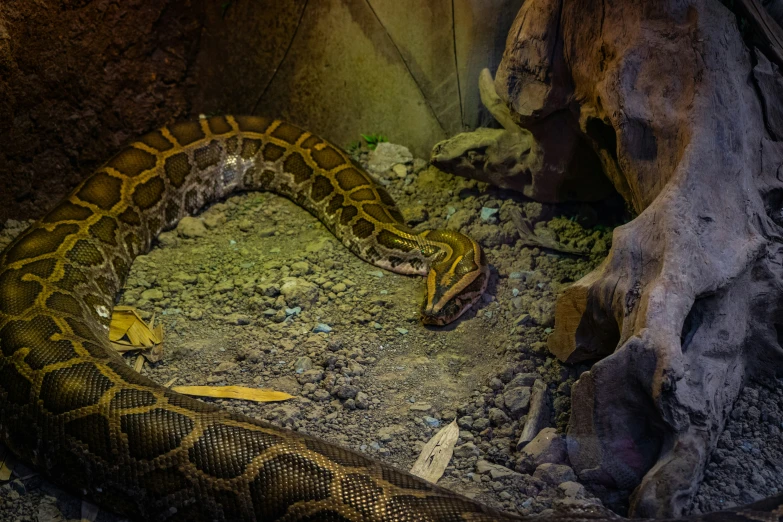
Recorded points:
456,281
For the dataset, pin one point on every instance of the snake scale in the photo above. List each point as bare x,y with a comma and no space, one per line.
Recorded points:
71,407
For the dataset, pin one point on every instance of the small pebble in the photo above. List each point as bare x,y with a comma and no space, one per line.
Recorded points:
303,364
432,422
400,170
153,294
489,214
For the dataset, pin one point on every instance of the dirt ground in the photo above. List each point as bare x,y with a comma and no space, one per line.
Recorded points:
256,292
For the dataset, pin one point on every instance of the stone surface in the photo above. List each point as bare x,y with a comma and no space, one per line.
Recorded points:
392,62
299,292
546,448
555,473
153,294
517,400
46,56
387,155
495,471
191,227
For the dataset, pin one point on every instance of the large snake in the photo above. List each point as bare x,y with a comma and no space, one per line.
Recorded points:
71,407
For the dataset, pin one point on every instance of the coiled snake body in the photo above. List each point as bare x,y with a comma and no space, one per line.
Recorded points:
70,406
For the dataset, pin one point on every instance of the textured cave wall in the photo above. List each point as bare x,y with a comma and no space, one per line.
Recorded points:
404,68
77,79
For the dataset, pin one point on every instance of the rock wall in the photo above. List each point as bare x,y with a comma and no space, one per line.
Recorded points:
403,68
78,78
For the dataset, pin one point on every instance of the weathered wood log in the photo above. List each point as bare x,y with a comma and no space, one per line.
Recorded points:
514,158
685,307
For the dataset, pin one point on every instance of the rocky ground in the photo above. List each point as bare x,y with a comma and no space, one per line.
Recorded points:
256,292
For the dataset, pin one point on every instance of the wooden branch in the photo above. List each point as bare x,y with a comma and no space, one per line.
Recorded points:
767,29
496,107
529,238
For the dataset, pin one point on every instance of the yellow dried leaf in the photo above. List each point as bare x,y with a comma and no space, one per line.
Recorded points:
234,392
436,454
122,348
127,327
120,322
139,364
157,334
129,332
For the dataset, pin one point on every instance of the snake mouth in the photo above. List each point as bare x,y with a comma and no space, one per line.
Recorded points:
433,320
441,316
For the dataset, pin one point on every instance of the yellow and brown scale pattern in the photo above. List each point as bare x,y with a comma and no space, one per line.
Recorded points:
70,405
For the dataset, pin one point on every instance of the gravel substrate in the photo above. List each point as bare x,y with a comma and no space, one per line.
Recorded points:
256,292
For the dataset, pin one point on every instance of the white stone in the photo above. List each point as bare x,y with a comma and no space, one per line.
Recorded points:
386,156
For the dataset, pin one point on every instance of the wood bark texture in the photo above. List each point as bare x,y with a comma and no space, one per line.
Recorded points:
687,122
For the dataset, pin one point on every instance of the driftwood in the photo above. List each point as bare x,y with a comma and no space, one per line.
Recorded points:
539,416
562,169
766,28
687,123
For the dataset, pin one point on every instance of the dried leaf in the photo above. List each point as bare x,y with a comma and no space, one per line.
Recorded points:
7,461
127,327
139,364
122,348
436,454
129,332
120,323
170,383
234,392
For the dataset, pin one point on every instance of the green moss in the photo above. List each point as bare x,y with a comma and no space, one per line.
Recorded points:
372,140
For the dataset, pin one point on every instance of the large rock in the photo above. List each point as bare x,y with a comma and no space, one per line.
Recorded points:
191,227
517,400
298,292
554,473
495,471
548,447
387,155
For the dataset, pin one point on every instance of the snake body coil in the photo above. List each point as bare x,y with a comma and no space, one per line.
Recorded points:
69,404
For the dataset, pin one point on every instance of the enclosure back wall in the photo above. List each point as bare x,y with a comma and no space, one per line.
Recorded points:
78,78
